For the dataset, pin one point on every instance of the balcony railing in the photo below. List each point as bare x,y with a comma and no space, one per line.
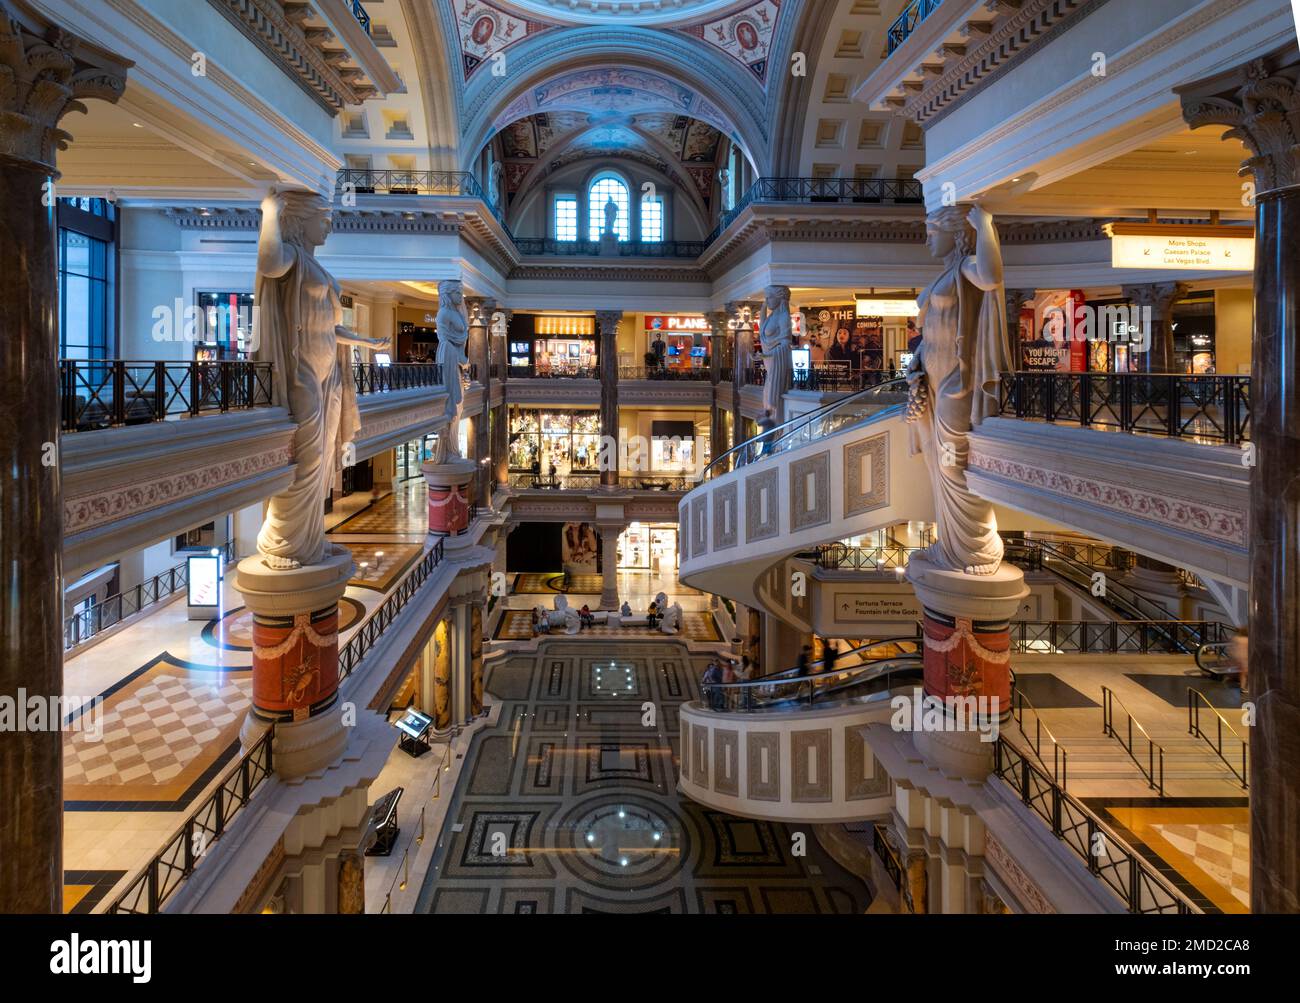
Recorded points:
1204,408
694,375
828,378
1114,637
626,248
453,183
149,890
590,481
359,12
105,393
860,191
554,373
373,378
81,627
913,14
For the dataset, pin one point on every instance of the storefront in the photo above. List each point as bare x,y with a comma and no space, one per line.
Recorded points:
684,340
225,326
553,345
648,547
410,455
554,443
846,338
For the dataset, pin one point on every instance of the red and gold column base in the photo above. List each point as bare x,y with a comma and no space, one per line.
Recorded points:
295,664
450,485
965,658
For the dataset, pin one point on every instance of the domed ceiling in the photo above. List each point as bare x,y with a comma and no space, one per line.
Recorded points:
641,12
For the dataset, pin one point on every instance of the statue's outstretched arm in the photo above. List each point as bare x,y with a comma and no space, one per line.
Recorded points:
984,267
347,336
274,258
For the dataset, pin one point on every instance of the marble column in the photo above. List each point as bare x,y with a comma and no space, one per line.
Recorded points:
480,316
1016,298
609,567
46,72
499,359
718,443
1261,105
607,324
1160,297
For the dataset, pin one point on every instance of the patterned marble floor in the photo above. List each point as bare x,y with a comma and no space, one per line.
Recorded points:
517,625
569,804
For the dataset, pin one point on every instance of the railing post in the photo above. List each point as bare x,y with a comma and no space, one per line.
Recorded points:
196,387
119,392
159,391
1173,423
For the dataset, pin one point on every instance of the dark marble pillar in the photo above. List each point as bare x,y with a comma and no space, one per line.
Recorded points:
501,415
607,324
1261,104
1160,297
1016,298
718,346
46,70
480,316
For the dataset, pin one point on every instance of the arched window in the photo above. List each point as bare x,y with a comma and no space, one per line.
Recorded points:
604,188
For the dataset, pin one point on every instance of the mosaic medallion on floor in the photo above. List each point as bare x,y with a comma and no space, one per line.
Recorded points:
234,631
570,803
517,625
156,739
384,563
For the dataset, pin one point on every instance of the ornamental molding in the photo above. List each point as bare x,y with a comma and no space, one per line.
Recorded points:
45,71
86,512
1009,870
263,22
1213,522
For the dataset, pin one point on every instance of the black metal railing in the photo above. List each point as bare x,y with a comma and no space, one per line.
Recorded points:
861,191
1203,408
81,627
626,248
1139,886
554,373
359,12
913,14
149,890
1140,746
889,858
842,557
103,393
828,378
1195,701
1039,736
1111,637
387,182
573,481
693,375
374,378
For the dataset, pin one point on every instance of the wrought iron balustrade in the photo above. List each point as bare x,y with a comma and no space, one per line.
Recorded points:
554,373
81,627
359,12
104,393
860,191
913,14
694,375
376,378
1207,408
626,248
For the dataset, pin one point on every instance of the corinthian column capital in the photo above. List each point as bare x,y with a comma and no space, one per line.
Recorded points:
44,72
1260,105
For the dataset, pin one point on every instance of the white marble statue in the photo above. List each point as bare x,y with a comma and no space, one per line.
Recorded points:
299,331
953,380
778,363
611,218
453,337
672,619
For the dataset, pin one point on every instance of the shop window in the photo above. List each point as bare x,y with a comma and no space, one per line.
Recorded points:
555,443
225,329
86,266
652,220
566,217
603,189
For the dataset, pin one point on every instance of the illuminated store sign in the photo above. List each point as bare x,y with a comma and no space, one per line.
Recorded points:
874,306
677,325
1184,248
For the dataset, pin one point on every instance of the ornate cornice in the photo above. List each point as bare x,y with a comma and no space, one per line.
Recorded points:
44,72
264,23
1260,105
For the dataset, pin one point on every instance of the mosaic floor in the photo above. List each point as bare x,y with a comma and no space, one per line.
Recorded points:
517,625
570,804
531,584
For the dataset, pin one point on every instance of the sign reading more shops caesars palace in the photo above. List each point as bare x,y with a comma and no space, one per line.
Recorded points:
1186,248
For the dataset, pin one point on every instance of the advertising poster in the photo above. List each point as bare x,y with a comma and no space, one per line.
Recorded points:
579,547
1046,335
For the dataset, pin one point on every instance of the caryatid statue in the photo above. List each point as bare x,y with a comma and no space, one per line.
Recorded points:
953,381
453,337
775,340
299,331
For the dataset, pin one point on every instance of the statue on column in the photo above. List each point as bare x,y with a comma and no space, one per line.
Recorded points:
453,337
299,331
778,362
953,381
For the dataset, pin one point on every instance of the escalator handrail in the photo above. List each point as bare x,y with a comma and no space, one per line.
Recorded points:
786,675
771,436
1220,646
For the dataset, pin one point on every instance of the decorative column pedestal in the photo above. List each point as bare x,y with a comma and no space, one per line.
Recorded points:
296,660
450,485
609,567
967,625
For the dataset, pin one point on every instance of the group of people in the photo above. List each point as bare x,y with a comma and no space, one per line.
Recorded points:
722,671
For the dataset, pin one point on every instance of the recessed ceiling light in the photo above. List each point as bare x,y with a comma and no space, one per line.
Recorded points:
1014,180
137,125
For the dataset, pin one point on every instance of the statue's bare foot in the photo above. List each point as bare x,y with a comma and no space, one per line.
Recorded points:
982,569
281,563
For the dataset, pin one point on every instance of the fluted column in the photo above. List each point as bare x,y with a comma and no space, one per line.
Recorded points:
1160,297
1016,298
46,70
1261,105
607,324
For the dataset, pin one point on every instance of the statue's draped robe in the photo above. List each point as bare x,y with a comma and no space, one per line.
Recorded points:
312,376
963,351
453,337
778,363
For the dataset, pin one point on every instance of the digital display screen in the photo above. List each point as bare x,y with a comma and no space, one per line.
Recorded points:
413,723
801,359
204,588
383,359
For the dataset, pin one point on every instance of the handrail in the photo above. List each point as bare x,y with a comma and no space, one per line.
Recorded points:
376,377
164,873
1084,637
1154,770
768,440
889,858
906,22
1138,885
1194,700
1216,671
1059,757
104,393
